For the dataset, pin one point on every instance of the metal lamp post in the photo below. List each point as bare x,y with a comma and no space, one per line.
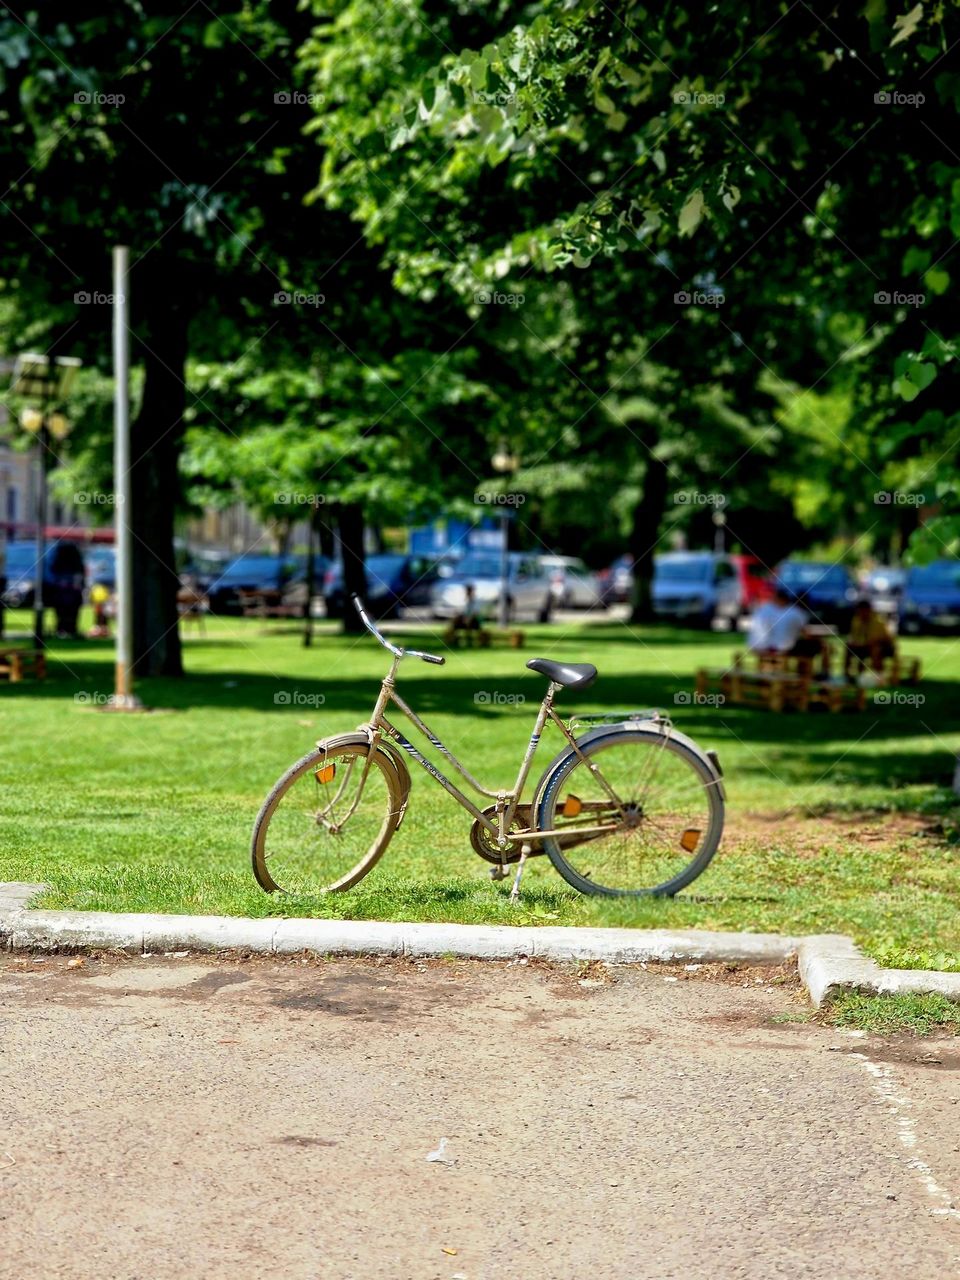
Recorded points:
38,377
124,698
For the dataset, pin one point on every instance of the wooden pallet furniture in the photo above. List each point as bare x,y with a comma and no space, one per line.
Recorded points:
193,606
896,669
18,664
782,681
775,690
484,637
836,695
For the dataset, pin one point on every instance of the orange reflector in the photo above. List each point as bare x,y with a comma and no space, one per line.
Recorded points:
572,806
325,773
690,839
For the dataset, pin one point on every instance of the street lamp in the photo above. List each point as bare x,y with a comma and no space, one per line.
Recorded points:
504,463
37,377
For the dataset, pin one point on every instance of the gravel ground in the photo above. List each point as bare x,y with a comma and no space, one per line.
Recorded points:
164,1117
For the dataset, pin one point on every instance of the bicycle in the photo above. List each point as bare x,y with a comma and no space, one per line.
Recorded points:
628,808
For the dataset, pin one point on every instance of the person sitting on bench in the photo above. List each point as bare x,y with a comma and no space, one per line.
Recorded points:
869,641
468,619
777,626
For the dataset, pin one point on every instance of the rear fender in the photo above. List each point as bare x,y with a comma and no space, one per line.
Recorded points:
709,758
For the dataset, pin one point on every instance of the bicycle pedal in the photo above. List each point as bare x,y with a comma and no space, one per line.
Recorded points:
499,872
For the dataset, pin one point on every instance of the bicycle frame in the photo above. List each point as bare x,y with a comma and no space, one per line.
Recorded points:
507,801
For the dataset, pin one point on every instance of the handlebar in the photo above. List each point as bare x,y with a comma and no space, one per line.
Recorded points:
379,636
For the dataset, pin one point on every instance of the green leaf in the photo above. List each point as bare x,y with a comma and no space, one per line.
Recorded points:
691,213
916,259
906,25
923,375
213,35
937,279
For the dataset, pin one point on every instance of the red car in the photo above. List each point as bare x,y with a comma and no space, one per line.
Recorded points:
756,584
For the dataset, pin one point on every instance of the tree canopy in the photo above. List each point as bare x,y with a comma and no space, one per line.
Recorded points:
677,260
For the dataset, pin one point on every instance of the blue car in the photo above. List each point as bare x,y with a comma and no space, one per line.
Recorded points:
696,588
931,598
63,573
394,581
827,590
252,572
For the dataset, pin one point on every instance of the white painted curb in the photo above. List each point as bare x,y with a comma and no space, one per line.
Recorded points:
833,963
828,963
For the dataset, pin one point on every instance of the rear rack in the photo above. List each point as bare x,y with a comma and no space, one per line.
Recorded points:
616,717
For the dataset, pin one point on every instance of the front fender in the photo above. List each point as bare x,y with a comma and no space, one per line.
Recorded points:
364,735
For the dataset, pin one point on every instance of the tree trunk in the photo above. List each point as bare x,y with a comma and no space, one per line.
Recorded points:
647,521
350,519
328,543
156,439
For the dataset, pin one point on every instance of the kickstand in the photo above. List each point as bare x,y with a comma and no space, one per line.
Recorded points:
515,891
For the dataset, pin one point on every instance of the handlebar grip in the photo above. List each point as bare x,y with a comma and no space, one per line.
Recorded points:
432,657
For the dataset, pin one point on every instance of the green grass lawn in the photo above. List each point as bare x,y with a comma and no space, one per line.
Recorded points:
153,812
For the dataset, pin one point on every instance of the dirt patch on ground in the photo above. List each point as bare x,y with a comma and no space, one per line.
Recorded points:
906,1048
367,974
806,834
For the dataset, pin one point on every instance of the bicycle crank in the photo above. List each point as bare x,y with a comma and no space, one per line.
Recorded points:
484,842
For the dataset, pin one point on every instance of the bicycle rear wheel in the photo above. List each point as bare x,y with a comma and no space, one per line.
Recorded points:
658,801
328,820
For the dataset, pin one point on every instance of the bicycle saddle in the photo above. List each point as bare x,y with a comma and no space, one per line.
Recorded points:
573,675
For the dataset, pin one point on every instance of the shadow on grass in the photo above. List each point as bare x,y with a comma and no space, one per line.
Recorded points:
797,748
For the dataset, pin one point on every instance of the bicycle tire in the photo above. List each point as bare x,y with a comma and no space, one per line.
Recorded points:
684,751
268,863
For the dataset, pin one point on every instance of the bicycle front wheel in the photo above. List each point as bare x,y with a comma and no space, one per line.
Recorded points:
328,819
640,814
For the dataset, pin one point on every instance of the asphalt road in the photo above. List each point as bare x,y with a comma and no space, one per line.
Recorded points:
170,1118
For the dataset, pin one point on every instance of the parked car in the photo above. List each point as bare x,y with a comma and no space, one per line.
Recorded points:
295,592
827,590
616,583
696,587
883,587
931,598
572,584
756,585
63,572
529,589
248,573
394,581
